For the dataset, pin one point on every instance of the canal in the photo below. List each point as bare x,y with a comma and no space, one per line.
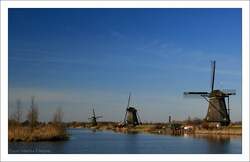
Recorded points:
86,141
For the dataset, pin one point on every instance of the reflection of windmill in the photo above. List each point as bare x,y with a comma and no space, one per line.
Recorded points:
131,116
93,118
218,111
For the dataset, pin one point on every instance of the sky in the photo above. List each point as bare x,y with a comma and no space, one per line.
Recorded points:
79,59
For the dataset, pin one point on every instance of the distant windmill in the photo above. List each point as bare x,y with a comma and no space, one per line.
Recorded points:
93,118
131,116
218,111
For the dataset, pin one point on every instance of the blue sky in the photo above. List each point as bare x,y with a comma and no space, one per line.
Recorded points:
76,58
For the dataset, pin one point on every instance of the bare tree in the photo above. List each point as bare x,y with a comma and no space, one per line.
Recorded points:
58,116
18,111
33,113
16,116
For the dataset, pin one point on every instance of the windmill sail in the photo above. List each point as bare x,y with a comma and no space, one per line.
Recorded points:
129,100
213,75
124,121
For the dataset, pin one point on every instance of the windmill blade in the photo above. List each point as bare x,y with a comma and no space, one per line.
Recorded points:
129,99
195,94
229,91
98,117
213,74
124,120
228,108
139,118
93,112
125,117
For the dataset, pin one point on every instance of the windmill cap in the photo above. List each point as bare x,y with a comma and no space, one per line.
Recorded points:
131,109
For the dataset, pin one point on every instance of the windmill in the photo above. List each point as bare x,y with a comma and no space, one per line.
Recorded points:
93,118
131,116
218,111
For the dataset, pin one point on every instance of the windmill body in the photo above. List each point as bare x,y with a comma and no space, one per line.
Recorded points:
93,121
131,116
94,118
217,108
218,111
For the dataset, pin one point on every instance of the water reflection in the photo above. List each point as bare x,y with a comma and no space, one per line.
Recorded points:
93,130
217,144
131,144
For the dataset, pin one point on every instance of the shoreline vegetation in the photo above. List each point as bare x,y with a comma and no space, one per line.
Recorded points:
163,128
56,132
48,132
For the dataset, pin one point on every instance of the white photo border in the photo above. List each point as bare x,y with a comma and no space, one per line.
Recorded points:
244,5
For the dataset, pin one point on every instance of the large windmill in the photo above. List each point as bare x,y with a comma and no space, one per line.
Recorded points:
218,111
93,118
131,116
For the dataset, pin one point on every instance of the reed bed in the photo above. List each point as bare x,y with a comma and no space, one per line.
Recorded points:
40,133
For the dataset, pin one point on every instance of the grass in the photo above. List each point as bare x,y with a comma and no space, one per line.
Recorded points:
224,131
46,132
161,128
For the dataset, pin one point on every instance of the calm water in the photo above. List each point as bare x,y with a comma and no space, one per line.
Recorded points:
85,141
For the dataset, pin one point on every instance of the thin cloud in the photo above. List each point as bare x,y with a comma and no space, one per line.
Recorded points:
117,34
52,60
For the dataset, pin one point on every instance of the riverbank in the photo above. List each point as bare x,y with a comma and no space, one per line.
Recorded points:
162,128
223,131
47,132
